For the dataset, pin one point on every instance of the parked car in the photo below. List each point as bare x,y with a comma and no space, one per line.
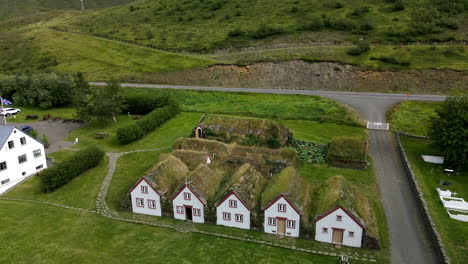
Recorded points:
26,129
9,111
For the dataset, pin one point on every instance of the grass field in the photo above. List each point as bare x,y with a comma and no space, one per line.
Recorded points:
411,116
454,233
62,112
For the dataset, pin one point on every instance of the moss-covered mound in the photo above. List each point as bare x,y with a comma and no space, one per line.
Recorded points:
191,158
348,152
168,173
205,181
211,146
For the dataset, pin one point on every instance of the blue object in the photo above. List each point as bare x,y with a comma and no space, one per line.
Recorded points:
6,102
26,129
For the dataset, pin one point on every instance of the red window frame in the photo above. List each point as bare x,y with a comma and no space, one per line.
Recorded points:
228,218
187,196
181,211
143,187
196,212
234,202
149,204
279,208
339,218
241,216
271,221
142,202
293,224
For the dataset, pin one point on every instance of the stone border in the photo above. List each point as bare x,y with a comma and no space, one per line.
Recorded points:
435,237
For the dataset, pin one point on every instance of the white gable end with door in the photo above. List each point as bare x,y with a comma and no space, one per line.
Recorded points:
282,217
20,156
145,199
188,205
233,212
338,226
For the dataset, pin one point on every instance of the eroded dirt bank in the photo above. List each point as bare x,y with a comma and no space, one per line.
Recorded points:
315,76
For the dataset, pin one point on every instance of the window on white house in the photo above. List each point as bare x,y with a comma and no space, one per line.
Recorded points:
239,218
39,167
233,203
5,181
187,196
180,209
3,166
227,216
351,234
281,207
140,202
339,218
144,189
325,230
196,212
23,141
22,158
37,153
11,144
151,204
272,221
291,224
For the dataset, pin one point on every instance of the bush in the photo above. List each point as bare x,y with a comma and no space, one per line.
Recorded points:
391,60
347,149
237,32
315,23
55,177
265,31
309,152
148,123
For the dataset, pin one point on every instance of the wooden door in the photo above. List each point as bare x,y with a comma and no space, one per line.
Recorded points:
337,236
281,226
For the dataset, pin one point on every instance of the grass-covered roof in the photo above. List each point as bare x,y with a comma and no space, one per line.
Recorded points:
168,173
191,158
205,181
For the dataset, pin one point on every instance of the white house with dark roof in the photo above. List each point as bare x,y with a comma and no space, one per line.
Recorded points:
282,217
339,226
20,156
232,211
188,205
145,198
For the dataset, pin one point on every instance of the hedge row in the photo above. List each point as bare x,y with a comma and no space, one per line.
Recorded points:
142,104
60,174
148,123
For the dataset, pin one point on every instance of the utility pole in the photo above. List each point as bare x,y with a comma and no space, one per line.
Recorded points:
82,5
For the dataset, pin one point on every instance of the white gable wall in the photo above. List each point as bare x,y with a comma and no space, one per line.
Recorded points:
15,172
151,195
347,223
241,209
290,214
193,203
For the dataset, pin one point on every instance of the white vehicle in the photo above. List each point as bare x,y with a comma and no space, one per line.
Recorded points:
9,111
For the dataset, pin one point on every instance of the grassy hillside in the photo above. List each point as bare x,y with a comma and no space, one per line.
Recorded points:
14,8
200,25
412,116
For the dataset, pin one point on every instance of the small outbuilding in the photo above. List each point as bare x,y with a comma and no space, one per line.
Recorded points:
339,226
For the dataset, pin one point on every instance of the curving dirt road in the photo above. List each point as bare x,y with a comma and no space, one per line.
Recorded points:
408,234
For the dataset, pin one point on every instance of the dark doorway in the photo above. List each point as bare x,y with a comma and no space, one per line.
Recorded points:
188,213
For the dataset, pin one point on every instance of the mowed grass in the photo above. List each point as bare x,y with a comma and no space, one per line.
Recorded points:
273,106
56,235
454,233
62,112
412,116
80,192
101,59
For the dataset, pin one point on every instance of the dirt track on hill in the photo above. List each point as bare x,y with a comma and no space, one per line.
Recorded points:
300,75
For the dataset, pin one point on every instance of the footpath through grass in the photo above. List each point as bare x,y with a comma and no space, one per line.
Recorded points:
454,233
412,116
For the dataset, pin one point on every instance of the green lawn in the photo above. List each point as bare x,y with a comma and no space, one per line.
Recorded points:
79,192
454,233
411,116
47,234
62,112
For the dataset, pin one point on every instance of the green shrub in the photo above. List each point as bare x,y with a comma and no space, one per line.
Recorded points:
265,31
55,177
347,149
391,60
237,32
314,23
142,104
309,152
148,123
361,47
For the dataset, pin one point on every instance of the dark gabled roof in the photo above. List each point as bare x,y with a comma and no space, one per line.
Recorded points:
192,190
287,199
355,219
5,132
235,194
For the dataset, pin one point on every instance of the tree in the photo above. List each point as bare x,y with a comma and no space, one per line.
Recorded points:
101,103
449,130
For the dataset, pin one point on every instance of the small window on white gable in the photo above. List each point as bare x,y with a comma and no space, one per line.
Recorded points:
151,204
281,207
339,218
187,196
239,218
233,203
351,234
23,140
140,202
226,216
291,224
180,209
325,230
144,189
272,221
196,212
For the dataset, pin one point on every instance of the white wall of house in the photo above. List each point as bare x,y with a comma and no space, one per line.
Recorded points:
15,172
180,205
145,200
232,212
273,216
324,228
